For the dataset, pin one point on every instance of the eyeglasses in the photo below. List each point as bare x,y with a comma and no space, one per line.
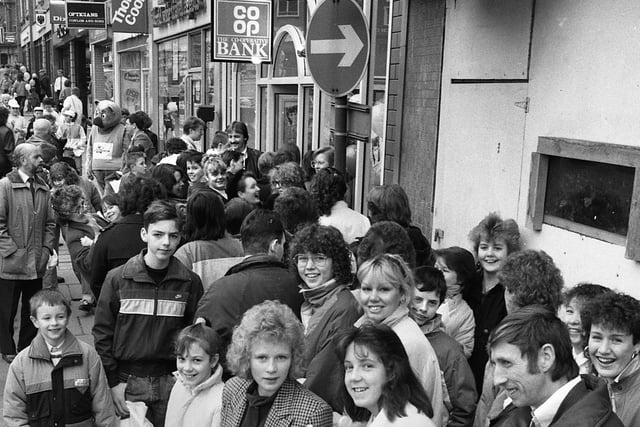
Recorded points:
319,260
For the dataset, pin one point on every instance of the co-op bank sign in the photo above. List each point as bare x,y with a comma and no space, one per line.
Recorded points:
242,30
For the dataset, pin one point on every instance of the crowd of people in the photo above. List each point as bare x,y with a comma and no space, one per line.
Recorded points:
237,288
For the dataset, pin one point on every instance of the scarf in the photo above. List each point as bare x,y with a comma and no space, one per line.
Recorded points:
258,407
317,301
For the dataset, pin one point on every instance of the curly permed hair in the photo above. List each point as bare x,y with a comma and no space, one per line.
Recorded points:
493,227
327,240
272,321
532,277
328,187
65,201
613,311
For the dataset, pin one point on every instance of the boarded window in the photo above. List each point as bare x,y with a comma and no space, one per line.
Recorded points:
590,193
586,187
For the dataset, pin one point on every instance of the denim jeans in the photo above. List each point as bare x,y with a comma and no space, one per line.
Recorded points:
154,392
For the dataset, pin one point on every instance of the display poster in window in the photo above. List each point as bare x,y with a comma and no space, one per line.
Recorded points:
242,30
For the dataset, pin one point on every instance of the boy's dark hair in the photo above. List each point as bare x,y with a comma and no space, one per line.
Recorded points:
133,156
430,279
296,208
161,210
192,123
386,237
531,327
139,119
189,156
205,217
175,146
49,102
613,311
259,229
111,199
229,155
136,195
50,297
199,334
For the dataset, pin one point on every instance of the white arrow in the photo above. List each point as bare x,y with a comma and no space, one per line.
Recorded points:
350,45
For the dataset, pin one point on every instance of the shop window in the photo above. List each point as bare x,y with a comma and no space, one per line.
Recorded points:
195,50
588,188
286,64
172,75
287,8
130,81
247,98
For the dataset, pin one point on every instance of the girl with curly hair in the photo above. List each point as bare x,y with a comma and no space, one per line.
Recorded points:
266,355
79,230
322,261
328,188
493,240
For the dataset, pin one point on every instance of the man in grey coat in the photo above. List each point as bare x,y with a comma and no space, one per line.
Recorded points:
26,242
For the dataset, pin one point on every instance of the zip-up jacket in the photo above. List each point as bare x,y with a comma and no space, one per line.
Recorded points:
72,393
26,228
136,320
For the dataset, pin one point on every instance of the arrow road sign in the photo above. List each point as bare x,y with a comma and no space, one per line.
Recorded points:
337,46
350,45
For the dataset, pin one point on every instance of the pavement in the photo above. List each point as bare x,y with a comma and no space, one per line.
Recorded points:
80,323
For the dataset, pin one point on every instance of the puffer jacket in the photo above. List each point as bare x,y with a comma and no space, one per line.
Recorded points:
137,320
27,230
73,393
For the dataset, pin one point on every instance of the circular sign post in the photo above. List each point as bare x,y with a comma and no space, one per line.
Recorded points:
337,46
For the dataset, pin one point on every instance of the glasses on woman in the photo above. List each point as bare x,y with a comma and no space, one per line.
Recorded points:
319,260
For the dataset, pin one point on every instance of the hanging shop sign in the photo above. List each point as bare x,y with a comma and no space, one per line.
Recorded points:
130,16
57,13
83,14
242,30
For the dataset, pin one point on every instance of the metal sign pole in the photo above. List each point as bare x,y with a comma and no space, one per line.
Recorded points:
340,133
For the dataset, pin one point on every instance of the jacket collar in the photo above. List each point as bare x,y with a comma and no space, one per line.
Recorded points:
71,352
253,261
281,409
433,325
135,270
15,178
215,378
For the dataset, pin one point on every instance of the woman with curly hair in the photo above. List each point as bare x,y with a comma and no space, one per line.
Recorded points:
612,323
328,188
215,171
493,240
78,230
380,387
266,355
322,260
61,174
387,290
209,250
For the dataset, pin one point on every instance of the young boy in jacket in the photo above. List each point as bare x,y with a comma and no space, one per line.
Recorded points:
143,305
431,289
58,379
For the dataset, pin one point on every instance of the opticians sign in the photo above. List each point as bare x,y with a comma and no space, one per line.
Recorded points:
242,30
83,14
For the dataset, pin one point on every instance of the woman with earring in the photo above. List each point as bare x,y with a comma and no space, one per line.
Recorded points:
612,322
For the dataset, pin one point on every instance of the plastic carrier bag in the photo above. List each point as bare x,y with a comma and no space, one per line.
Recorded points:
137,416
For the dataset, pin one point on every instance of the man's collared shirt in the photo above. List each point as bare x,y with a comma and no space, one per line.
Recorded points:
24,176
544,413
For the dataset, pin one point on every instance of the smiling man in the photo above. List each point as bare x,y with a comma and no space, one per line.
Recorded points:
143,305
533,362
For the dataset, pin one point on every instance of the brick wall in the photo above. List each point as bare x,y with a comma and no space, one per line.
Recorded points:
414,100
